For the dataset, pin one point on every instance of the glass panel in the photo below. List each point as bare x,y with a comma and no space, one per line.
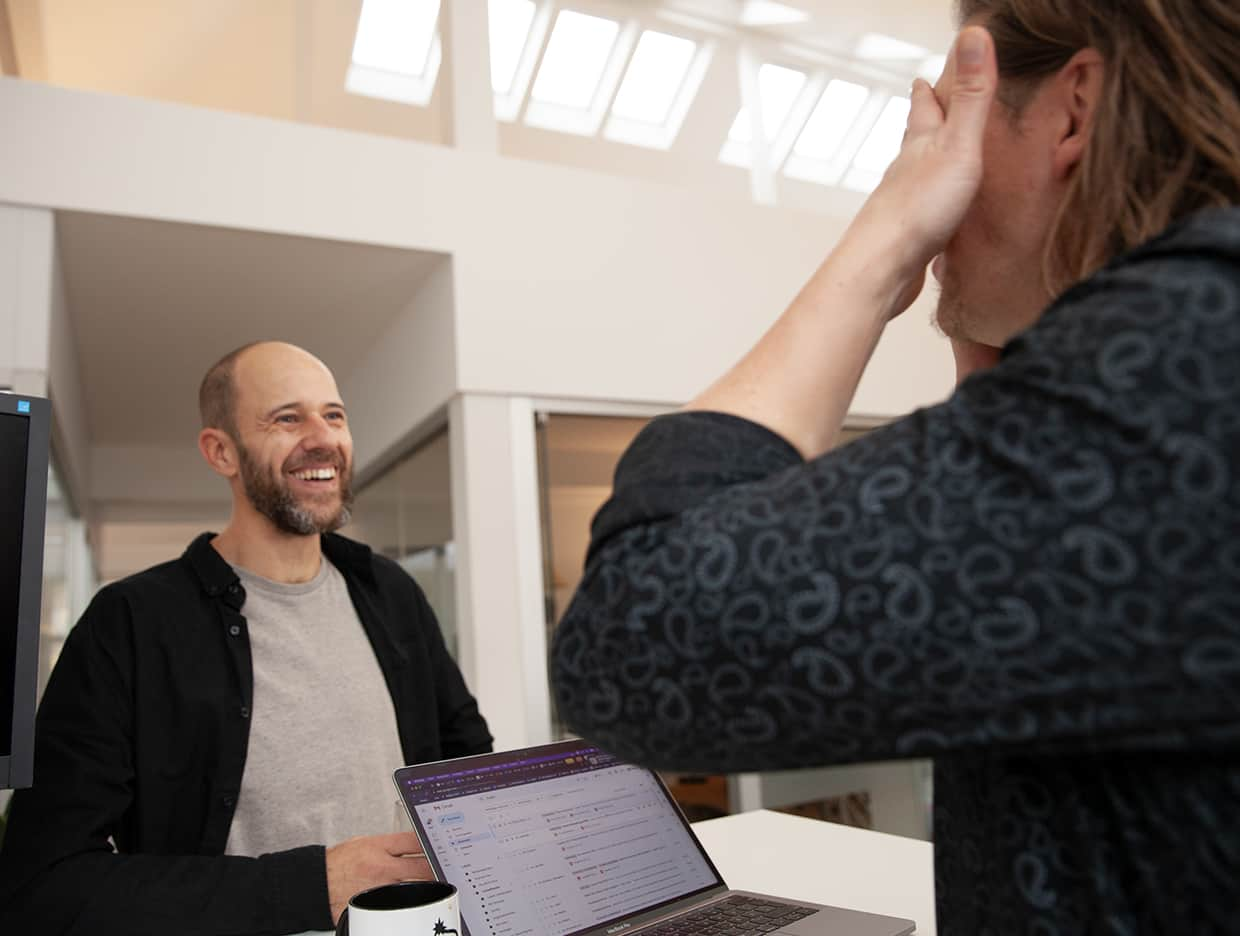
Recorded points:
509,26
779,88
883,143
769,13
395,35
406,515
877,47
575,58
932,68
656,72
829,124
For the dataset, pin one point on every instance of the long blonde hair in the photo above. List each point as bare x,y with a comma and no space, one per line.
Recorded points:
1165,140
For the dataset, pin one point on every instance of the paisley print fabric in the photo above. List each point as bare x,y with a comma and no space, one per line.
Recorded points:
1036,583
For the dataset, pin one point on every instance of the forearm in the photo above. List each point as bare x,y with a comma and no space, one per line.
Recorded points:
800,378
99,893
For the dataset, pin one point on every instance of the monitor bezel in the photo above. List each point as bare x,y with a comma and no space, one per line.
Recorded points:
17,767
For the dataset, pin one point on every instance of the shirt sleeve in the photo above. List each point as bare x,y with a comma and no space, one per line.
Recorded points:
462,729
58,870
1046,561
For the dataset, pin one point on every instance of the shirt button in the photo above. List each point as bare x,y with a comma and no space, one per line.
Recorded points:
234,630
245,711
234,588
228,800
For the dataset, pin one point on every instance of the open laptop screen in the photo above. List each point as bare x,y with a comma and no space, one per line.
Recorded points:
553,840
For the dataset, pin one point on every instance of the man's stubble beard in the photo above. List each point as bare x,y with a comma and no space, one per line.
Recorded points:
271,497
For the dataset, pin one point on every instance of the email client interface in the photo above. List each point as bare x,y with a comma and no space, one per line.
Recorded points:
553,844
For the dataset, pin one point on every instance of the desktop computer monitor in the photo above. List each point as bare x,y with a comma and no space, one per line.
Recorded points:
24,436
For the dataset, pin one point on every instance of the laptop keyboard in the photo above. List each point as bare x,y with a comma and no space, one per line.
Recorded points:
732,916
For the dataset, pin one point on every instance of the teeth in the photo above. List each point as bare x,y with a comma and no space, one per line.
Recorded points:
315,474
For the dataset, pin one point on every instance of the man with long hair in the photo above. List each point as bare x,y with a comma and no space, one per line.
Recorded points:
1037,582
215,746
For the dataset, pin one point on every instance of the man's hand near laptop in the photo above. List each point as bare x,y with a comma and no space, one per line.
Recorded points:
358,864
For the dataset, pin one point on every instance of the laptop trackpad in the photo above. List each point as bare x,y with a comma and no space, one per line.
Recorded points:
850,922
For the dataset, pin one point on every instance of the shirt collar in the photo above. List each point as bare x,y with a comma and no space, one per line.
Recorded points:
216,575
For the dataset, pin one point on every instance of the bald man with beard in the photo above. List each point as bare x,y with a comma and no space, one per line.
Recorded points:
214,748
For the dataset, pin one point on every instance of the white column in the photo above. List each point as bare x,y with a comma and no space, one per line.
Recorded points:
27,252
761,175
465,79
499,587
38,344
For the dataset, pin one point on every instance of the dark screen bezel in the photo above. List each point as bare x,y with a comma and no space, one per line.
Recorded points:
17,767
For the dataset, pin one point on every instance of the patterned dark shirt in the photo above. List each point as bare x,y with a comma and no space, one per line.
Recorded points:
1036,583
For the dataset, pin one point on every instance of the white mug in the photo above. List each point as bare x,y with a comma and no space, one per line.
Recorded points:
411,908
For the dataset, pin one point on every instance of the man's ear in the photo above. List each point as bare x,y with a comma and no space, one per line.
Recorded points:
1080,93
220,451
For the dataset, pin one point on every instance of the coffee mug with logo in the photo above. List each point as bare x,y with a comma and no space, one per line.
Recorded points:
411,908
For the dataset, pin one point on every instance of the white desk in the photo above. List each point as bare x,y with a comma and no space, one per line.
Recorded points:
789,856
823,862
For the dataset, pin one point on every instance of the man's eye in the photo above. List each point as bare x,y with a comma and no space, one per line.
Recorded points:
339,417
286,418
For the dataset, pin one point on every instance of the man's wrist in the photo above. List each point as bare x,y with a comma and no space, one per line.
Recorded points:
871,263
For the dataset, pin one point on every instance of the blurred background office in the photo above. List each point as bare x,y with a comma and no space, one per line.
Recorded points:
514,229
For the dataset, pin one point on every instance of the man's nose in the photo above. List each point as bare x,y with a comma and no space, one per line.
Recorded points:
319,432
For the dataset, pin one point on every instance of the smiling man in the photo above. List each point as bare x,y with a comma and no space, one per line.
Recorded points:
215,722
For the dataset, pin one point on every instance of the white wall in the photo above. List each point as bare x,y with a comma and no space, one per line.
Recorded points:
27,246
71,432
566,282
400,389
38,352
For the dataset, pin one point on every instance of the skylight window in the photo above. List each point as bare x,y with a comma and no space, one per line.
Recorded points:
879,48
769,13
880,147
579,73
840,124
932,68
659,85
396,52
509,26
575,60
778,88
836,111
655,74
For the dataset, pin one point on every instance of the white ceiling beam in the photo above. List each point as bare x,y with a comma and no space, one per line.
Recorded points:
465,77
761,166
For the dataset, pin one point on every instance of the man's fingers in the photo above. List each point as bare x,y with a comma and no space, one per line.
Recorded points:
411,868
924,113
973,88
400,843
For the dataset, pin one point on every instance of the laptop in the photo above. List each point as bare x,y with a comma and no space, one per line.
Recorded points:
565,839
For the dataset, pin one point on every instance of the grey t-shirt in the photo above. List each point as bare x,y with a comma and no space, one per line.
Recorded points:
323,735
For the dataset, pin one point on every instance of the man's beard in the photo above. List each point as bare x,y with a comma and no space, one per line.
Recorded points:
271,496
949,312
